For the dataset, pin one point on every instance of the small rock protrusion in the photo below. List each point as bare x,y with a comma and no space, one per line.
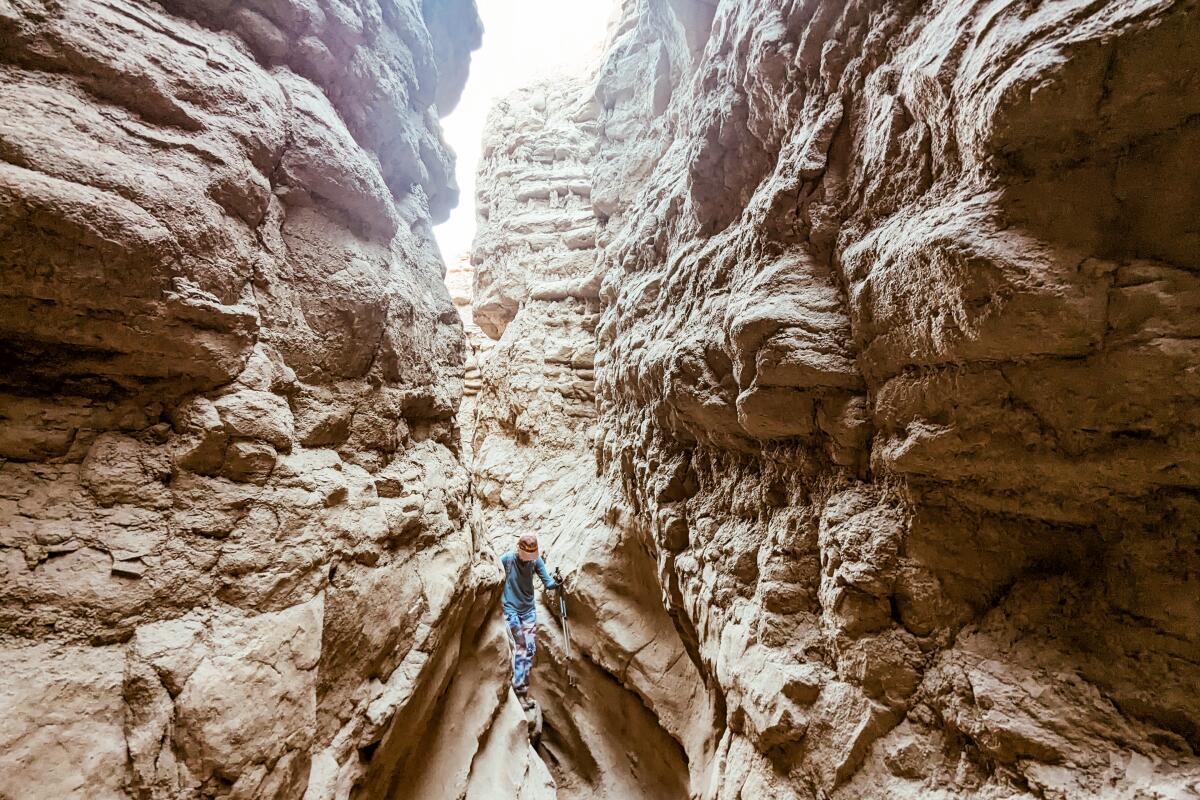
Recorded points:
129,569
533,717
249,462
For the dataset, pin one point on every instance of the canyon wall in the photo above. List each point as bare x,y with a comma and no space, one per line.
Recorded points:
889,488
236,557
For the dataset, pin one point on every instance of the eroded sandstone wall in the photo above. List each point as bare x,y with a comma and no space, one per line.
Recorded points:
892,483
235,550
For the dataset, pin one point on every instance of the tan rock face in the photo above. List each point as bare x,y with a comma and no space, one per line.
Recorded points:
477,348
888,490
235,557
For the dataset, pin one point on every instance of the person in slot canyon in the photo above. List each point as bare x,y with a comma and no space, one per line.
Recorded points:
519,611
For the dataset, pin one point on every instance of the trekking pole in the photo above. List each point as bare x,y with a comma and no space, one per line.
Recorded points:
562,611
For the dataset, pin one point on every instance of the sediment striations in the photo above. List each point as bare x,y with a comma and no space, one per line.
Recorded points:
890,310
477,347
235,556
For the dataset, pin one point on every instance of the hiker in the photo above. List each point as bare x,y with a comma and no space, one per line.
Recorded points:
519,611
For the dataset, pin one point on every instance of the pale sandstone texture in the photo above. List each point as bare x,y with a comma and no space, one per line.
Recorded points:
235,555
891,490
477,347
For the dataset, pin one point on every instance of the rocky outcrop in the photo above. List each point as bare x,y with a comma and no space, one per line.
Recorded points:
235,550
890,491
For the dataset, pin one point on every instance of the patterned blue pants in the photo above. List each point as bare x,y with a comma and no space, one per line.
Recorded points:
521,630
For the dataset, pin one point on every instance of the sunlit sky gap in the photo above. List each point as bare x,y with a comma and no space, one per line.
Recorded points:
523,40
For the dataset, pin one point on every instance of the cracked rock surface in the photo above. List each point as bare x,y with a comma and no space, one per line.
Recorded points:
888,488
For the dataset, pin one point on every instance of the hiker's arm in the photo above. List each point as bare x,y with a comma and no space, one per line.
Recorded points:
547,581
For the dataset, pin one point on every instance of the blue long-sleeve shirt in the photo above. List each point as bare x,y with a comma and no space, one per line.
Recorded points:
518,583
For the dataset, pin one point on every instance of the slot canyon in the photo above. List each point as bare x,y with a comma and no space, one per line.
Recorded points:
843,354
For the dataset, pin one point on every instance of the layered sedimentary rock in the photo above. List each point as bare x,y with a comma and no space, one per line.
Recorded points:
891,489
477,347
235,550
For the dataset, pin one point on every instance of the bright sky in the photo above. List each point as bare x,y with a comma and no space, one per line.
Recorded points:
523,40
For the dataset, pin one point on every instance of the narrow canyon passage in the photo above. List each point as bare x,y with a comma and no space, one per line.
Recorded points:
844,355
